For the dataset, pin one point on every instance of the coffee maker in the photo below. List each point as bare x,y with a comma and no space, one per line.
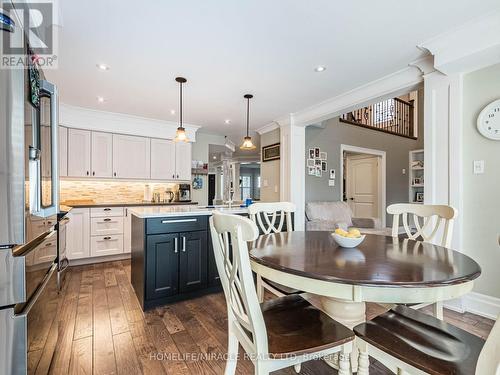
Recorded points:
184,193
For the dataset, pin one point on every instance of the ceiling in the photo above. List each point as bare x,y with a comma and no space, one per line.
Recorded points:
228,48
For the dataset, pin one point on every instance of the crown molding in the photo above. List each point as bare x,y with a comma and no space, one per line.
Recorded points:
472,46
391,85
268,128
91,119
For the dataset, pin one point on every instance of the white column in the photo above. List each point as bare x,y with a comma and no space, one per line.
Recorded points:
292,168
443,144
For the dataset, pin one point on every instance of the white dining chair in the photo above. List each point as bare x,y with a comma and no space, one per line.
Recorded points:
272,217
411,342
279,333
429,221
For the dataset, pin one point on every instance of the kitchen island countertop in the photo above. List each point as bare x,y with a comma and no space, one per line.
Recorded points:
166,211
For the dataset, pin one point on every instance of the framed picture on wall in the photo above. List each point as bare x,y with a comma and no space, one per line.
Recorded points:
316,152
311,153
324,166
419,197
271,152
323,155
318,172
317,163
310,162
311,171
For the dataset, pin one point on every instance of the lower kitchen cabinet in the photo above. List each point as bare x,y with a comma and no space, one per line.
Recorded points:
170,259
78,233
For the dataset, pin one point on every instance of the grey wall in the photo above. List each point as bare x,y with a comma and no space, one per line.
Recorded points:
336,133
481,204
270,170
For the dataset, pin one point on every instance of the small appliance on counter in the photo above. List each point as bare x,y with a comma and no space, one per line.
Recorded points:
184,193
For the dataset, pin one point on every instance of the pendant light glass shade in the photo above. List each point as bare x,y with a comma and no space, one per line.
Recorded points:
180,134
247,141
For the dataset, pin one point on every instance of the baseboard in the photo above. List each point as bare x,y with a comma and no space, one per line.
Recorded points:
455,305
108,258
481,304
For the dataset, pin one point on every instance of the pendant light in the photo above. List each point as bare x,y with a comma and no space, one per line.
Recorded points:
180,134
247,141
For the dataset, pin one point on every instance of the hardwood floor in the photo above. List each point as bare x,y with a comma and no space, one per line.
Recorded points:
102,330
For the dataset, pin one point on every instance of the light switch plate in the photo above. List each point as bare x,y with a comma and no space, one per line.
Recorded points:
331,182
404,170
478,166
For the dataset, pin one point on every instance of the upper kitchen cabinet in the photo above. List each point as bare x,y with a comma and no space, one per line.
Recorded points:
63,151
162,159
102,154
183,161
131,157
79,160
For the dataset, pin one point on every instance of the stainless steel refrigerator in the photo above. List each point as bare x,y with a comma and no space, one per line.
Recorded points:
29,203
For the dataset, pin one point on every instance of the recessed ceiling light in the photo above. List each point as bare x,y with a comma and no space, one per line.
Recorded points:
100,99
102,67
320,68
227,122
172,111
214,157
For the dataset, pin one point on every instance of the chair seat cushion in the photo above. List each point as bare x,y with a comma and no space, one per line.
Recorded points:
423,341
281,288
295,327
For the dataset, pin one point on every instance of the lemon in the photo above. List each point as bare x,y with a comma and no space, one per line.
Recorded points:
341,232
355,232
350,235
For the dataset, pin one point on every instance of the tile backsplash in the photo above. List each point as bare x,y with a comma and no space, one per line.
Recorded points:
108,191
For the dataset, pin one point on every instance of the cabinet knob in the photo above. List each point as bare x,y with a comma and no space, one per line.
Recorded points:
114,174
107,209
177,176
93,173
107,238
107,219
87,173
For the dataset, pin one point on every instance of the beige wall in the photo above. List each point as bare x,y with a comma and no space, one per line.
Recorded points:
270,170
481,192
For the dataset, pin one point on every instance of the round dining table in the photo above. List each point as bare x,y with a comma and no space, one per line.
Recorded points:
382,269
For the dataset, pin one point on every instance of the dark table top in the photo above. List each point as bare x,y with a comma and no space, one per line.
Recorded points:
377,261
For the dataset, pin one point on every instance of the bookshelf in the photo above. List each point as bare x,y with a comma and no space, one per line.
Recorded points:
416,177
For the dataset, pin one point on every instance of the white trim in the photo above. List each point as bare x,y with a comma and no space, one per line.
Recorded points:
382,175
90,119
392,85
268,128
106,258
471,46
476,303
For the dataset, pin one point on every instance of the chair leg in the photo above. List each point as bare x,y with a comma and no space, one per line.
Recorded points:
344,363
260,368
260,289
437,310
363,360
232,354
297,367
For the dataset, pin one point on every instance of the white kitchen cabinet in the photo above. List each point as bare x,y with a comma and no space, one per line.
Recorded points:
100,226
79,147
183,161
127,231
106,245
102,154
131,157
162,159
78,233
63,151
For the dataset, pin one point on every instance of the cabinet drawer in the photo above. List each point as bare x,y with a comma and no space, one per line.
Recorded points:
176,224
106,245
100,226
106,211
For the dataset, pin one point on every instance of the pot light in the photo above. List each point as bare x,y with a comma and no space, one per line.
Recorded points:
227,122
100,99
102,67
320,68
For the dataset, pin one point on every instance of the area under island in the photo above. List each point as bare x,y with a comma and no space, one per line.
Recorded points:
172,256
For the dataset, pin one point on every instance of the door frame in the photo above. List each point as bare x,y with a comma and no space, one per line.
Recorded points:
382,175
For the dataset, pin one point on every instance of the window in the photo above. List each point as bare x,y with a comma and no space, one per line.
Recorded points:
246,187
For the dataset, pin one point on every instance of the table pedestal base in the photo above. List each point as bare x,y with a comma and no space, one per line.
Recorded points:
348,313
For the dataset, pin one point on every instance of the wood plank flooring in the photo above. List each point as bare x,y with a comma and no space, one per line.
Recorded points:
102,330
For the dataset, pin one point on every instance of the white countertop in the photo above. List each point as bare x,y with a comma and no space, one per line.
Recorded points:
166,211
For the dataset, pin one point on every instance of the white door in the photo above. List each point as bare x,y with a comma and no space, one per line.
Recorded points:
162,159
79,153
78,233
127,232
183,161
362,185
102,154
63,151
131,157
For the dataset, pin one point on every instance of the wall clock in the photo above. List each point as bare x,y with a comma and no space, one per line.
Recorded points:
488,121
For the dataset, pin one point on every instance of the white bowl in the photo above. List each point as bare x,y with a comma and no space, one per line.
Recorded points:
347,241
